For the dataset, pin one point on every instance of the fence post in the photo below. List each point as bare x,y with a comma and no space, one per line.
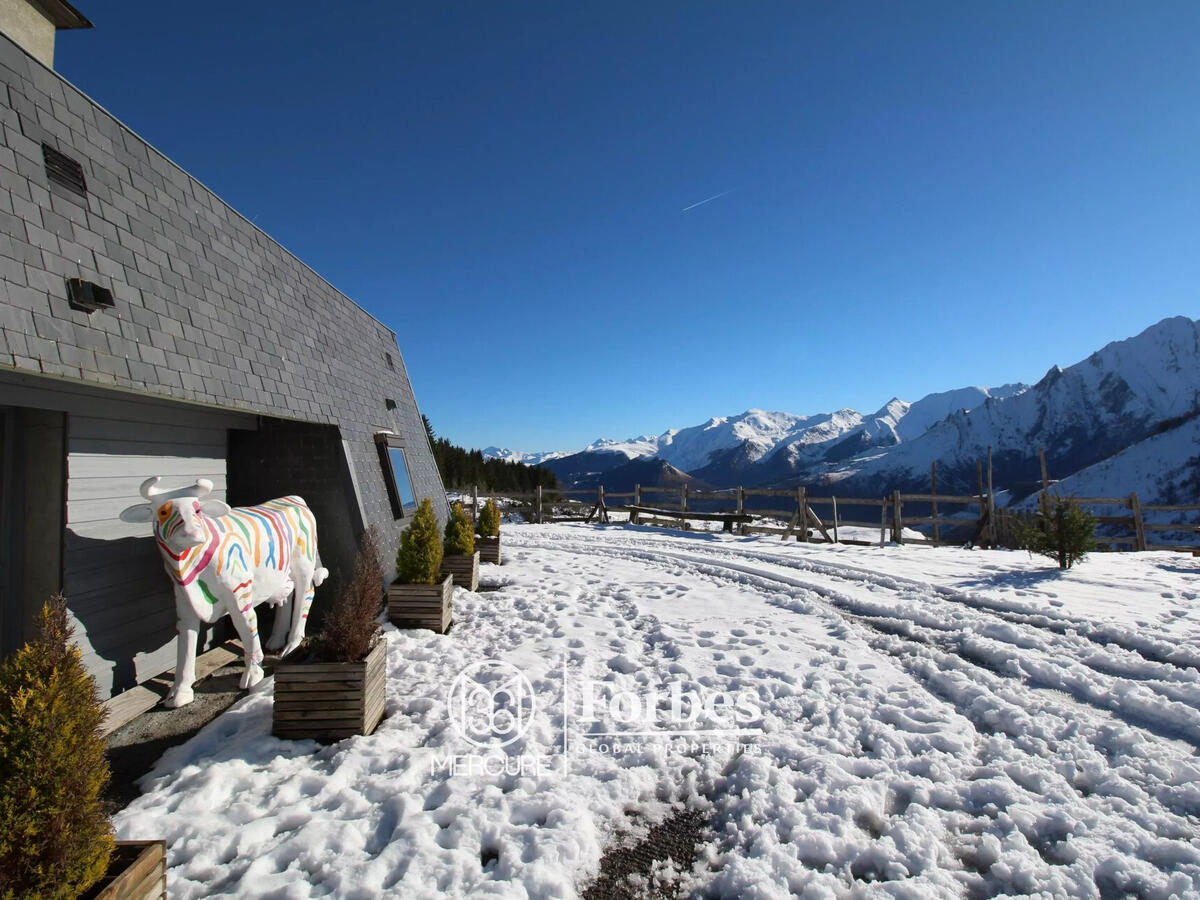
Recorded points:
475,503
835,520
1139,525
883,519
897,521
683,497
741,493
991,502
802,508
637,501
537,516
937,537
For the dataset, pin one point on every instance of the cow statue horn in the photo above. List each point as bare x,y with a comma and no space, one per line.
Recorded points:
148,490
202,488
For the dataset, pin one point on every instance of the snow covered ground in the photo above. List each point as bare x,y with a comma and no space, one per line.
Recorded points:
923,722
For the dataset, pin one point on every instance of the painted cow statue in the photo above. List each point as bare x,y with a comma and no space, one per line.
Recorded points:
225,562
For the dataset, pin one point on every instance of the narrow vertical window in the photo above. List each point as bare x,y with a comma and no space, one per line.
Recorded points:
395,474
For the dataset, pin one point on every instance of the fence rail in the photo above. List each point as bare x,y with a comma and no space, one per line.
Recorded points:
977,517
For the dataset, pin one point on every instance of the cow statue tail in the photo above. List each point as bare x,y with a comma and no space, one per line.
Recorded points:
320,573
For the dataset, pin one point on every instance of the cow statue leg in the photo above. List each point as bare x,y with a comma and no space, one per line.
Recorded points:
245,620
307,575
283,619
185,664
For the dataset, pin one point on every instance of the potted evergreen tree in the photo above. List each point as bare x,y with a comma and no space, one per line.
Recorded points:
334,685
55,840
459,557
488,542
420,595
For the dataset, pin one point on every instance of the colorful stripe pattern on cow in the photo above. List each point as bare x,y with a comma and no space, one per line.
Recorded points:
248,539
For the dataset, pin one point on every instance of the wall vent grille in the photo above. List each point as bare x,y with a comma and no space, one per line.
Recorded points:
63,170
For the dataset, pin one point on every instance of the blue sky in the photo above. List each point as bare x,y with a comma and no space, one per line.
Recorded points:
914,196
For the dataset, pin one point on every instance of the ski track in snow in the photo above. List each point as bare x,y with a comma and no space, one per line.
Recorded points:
919,739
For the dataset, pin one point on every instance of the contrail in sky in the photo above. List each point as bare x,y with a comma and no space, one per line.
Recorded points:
708,200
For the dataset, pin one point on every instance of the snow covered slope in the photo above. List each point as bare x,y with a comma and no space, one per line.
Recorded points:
1165,468
932,723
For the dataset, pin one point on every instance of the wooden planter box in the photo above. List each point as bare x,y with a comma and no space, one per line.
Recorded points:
421,605
465,570
137,871
330,701
488,549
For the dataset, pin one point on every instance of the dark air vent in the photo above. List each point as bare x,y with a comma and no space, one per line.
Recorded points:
61,169
389,403
391,365
88,297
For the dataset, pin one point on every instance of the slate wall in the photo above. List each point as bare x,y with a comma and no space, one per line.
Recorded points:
209,309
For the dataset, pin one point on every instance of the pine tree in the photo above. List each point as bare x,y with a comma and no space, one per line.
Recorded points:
419,559
489,520
459,536
55,840
1065,534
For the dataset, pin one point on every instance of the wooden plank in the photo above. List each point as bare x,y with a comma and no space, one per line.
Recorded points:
1161,507
128,705
991,501
897,518
849,501
1103,501
304,691
933,491
1139,531
942,498
679,514
1171,526
816,520
136,866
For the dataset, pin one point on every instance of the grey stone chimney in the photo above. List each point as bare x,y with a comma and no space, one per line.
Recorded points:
32,24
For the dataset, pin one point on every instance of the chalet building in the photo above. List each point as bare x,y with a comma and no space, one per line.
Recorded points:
148,329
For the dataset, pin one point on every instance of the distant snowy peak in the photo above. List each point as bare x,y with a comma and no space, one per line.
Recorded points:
634,448
520,456
910,420
758,431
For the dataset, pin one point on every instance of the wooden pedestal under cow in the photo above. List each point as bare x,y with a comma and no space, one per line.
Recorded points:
225,562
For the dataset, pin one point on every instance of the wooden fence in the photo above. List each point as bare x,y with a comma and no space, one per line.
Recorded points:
1128,529
822,517
812,518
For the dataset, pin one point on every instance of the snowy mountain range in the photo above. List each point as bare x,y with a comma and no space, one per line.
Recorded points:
1127,393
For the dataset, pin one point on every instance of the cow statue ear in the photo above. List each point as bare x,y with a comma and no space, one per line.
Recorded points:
142,512
214,509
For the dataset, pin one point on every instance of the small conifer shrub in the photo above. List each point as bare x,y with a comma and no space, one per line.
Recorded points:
489,520
1065,533
419,560
459,535
349,629
55,840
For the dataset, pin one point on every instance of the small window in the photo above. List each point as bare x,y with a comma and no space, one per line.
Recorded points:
395,473
391,365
